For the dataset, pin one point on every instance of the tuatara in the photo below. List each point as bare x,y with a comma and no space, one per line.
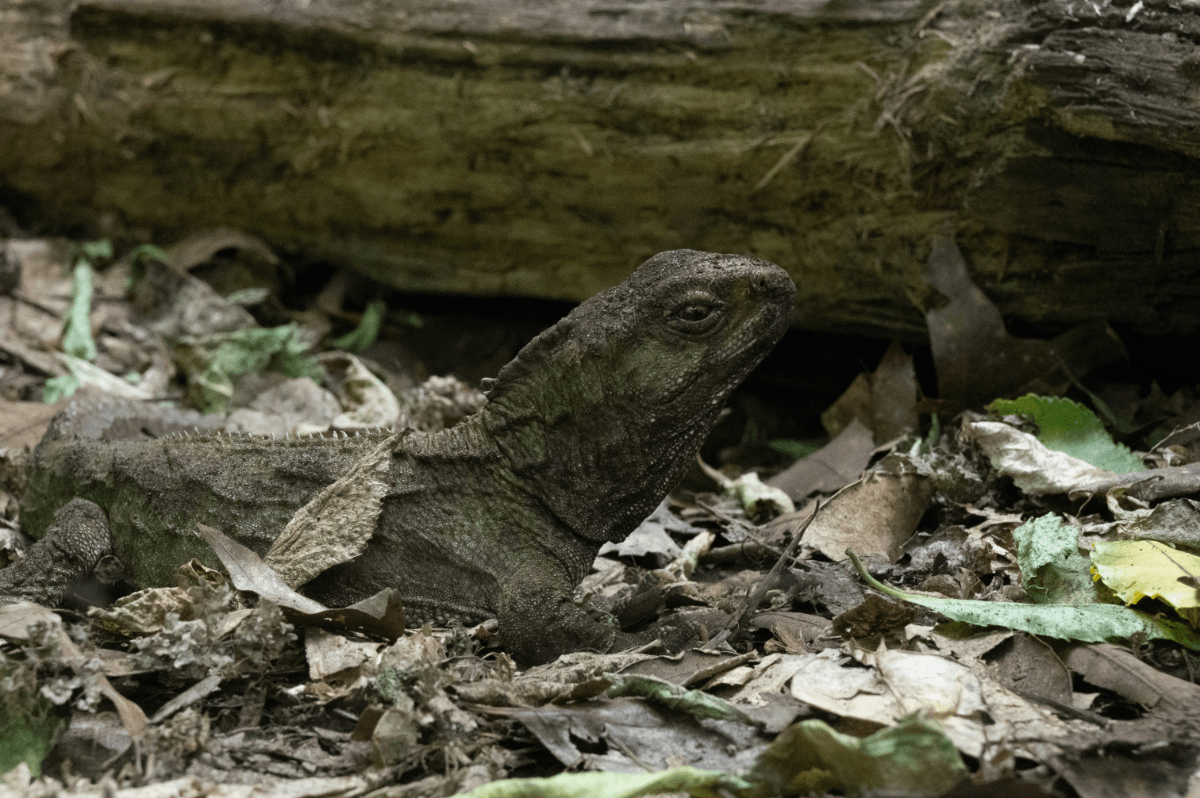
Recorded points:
501,516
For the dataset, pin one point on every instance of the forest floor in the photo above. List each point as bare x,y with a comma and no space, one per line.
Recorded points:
993,590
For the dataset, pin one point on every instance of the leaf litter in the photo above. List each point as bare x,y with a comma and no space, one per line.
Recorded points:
1001,599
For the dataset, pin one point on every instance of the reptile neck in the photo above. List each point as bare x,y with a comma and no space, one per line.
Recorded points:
592,457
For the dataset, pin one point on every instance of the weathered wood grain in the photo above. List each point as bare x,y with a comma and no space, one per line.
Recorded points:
544,149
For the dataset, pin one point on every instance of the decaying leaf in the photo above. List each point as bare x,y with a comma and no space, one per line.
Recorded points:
1175,522
632,735
1031,668
1118,669
335,526
295,406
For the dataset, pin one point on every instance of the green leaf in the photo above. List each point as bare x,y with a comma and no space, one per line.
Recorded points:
146,252
248,297
29,721
912,757
935,432
694,782
367,331
27,738
1069,427
223,356
98,250
796,449
57,388
137,257
1090,623
695,702
1052,569
77,326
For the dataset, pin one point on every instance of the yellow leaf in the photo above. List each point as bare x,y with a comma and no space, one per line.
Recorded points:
1139,568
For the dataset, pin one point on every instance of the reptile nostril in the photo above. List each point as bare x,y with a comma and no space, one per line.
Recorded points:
759,284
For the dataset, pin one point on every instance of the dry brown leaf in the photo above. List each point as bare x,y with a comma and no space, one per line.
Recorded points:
248,572
200,247
832,467
335,526
976,358
873,516
1117,669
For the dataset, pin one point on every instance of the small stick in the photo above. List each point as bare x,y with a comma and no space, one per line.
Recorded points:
787,158
756,597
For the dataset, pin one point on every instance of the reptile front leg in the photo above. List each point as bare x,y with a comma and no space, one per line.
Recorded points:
71,549
539,621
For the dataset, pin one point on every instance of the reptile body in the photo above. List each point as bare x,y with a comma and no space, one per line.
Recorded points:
584,432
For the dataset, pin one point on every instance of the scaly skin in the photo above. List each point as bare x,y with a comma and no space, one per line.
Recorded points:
585,431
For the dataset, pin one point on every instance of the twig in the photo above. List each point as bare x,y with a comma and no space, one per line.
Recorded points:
787,158
756,597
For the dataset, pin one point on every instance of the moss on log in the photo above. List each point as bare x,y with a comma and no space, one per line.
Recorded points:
544,149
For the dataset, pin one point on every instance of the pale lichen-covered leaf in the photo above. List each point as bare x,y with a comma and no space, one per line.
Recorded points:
16,618
697,703
1034,468
77,338
651,536
894,684
367,401
688,780
1052,569
760,501
1067,426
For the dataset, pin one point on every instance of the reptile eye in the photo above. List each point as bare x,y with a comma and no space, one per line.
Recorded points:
696,314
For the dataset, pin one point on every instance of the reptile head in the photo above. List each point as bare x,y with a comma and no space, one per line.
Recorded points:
605,411
696,325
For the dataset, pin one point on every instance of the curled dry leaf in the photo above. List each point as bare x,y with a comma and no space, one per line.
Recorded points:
367,401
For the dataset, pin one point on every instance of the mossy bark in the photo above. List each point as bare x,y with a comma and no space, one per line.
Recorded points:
517,147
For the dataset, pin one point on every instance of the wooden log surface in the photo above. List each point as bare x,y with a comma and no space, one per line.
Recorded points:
519,147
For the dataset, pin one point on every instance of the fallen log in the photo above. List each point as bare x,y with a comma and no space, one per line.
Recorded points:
515,147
